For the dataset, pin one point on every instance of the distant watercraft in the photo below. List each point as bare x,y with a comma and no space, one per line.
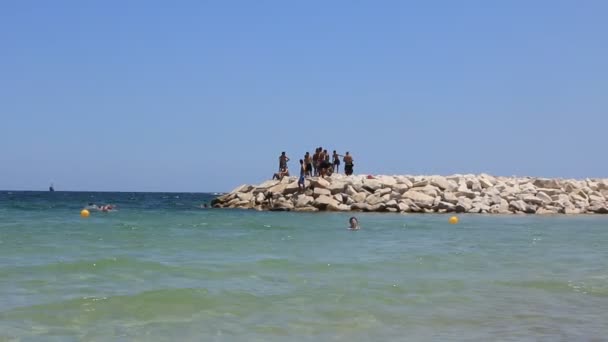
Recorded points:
51,188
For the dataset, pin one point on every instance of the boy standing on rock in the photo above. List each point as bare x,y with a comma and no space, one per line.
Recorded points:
336,162
315,162
308,164
301,181
348,164
283,159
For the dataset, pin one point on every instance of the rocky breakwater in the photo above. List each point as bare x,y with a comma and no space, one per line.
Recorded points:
482,194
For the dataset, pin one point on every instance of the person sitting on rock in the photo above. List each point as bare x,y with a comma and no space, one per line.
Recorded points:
348,164
279,175
283,159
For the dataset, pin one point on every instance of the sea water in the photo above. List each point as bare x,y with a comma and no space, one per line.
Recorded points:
161,268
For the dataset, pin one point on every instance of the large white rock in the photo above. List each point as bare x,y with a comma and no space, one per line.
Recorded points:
283,204
546,211
441,183
467,194
392,204
404,180
485,183
304,201
577,198
395,195
545,198
571,211
267,184
522,206
291,188
278,189
420,183
602,184
572,185
373,200
244,196
400,188
387,181
242,188
531,199
371,184
429,190
464,205
359,197
596,198
337,187
502,208
383,191
322,202
350,191
528,188
321,192
547,183
420,199
495,199
319,182
550,192
476,186
598,208
449,197
447,206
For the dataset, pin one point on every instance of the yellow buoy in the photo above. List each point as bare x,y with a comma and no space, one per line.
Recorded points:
453,219
84,213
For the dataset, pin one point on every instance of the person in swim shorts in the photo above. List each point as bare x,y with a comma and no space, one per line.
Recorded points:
301,181
308,164
348,164
283,159
336,162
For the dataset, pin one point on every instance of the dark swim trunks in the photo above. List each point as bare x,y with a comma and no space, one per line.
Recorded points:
348,169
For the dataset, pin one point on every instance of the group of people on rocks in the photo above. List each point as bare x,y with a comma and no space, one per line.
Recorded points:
320,164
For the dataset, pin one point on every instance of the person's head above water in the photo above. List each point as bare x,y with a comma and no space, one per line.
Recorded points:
354,223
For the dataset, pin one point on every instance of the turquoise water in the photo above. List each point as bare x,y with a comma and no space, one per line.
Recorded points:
161,269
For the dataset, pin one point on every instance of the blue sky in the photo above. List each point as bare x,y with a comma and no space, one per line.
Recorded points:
204,95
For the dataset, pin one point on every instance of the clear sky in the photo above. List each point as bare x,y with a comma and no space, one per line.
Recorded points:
204,95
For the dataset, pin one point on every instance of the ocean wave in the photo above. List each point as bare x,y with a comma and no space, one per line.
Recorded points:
153,305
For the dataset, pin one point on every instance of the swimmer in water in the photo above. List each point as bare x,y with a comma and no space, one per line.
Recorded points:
107,208
354,224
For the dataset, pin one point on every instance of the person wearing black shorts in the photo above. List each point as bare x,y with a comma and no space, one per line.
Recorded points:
336,160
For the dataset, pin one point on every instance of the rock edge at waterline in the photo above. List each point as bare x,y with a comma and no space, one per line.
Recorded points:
482,194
